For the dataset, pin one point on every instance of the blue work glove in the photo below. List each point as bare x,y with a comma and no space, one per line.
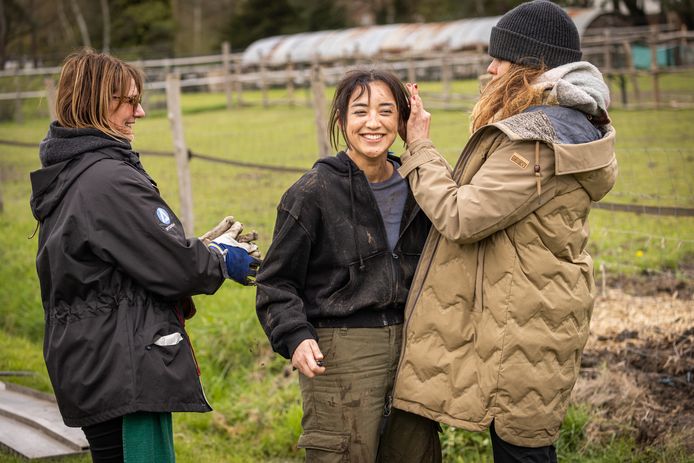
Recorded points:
242,259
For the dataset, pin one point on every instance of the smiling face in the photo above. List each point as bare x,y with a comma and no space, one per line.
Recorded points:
371,123
124,112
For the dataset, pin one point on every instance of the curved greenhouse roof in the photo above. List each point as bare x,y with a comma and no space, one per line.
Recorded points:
370,41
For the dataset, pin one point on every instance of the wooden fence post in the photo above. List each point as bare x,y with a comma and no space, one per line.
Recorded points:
173,108
50,98
18,113
411,72
318,90
226,58
237,81
446,72
606,51
2,202
263,81
290,80
633,76
654,67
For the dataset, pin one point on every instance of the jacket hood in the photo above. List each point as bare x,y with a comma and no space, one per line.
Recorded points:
62,144
578,85
65,153
341,164
593,164
579,148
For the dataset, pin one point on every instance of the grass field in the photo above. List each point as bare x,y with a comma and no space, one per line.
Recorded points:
255,396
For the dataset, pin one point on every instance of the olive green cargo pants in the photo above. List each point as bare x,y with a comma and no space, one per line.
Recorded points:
344,408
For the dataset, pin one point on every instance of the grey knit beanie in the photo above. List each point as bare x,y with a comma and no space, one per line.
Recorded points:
536,32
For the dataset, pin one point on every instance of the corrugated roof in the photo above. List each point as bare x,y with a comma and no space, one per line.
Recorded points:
370,41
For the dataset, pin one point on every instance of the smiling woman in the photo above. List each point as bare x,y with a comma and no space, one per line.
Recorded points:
115,345
125,110
333,286
371,128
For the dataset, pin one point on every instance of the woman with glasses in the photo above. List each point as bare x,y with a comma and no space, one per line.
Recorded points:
116,271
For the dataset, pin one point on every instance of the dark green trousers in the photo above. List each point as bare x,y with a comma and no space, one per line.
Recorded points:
344,408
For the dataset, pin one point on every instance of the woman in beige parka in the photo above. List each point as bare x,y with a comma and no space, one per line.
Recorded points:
500,305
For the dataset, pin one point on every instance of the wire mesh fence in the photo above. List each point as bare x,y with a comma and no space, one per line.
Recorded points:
644,226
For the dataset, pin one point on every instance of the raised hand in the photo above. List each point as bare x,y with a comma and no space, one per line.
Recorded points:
420,119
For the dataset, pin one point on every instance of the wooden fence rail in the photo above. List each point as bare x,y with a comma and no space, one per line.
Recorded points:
227,72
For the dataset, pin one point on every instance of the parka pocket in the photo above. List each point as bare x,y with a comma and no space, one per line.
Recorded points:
165,341
478,304
325,446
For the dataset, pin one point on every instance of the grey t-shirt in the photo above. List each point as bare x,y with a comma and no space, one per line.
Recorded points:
391,196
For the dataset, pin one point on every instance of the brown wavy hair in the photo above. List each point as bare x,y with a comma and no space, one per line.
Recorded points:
88,82
360,79
508,95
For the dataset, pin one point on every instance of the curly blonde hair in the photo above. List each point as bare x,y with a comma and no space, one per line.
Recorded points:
508,95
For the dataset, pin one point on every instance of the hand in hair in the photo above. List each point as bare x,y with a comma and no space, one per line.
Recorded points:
420,119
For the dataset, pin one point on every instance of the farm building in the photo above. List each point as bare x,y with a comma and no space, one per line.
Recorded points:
373,42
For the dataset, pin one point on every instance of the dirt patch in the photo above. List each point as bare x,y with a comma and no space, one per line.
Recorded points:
638,369
660,283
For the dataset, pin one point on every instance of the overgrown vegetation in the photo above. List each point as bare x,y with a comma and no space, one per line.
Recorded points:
254,392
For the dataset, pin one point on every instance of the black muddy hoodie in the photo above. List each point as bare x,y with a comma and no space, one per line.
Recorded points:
329,264
115,270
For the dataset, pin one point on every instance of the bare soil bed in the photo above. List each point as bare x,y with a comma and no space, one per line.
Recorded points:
638,364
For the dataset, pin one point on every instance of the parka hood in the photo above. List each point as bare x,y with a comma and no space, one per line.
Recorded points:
580,149
579,86
65,153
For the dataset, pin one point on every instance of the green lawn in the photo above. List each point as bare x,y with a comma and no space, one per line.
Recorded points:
255,395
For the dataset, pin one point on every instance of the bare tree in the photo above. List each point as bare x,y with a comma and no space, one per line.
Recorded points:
65,23
3,34
197,26
106,16
81,23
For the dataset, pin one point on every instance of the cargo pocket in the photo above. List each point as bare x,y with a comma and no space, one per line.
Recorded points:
325,446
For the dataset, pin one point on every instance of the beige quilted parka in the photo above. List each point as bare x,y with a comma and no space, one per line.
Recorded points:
499,309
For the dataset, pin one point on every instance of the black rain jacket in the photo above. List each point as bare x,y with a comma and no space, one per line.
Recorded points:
329,264
116,274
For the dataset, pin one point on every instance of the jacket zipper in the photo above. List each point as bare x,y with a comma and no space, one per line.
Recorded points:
384,238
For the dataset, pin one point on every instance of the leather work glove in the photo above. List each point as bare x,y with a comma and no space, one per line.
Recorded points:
241,255
224,226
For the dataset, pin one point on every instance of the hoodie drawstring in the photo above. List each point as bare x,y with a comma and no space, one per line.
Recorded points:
354,218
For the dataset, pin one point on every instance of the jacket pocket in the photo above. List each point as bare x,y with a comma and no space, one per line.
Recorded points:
320,444
346,286
164,341
478,304
326,341
369,286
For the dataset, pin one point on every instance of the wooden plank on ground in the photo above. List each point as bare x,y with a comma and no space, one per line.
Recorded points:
31,425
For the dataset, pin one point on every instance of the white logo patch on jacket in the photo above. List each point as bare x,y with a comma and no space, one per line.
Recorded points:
164,218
